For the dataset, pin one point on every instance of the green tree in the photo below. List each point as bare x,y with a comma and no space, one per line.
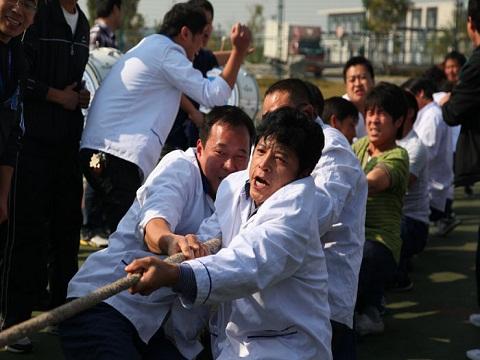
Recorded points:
91,5
384,15
256,24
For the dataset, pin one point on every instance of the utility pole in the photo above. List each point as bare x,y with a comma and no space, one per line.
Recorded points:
280,19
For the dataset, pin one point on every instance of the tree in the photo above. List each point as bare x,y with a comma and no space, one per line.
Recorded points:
384,15
256,24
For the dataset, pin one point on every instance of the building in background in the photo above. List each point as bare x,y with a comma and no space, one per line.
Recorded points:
428,31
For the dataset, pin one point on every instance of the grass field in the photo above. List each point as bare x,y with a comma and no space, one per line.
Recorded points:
427,323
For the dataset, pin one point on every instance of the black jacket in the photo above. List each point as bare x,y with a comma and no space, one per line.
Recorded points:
463,108
12,74
56,59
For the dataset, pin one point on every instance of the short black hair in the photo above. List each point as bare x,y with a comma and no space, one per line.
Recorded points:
180,15
437,76
358,60
105,7
294,130
227,114
474,13
295,88
339,107
316,97
391,99
457,56
411,103
204,4
423,84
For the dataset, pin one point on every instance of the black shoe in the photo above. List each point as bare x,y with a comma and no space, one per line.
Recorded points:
403,285
23,345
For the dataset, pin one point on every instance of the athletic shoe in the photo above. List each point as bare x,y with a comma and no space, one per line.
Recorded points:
446,225
369,322
98,241
473,354
474,319
23,345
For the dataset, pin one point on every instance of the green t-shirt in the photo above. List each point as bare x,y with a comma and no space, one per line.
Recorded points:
384,210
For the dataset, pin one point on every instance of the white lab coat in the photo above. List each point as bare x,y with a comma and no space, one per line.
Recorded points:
339,175
174,192
135,107
270,277
436,135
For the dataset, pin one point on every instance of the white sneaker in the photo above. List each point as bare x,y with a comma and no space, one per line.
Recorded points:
473,354
474,319
98,241
369,323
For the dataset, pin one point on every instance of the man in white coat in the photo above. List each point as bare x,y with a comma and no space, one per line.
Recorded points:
269,279
174,200
339,176
135,107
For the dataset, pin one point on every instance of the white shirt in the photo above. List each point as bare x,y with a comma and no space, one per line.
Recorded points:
135,107
454,129
339,175
270,277
436,136
174,192
416,203
71,19
360,127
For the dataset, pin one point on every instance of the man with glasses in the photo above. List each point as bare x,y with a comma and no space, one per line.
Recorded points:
49,183
15,18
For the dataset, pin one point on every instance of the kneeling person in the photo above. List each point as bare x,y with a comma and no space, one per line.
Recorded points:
174,200
270,278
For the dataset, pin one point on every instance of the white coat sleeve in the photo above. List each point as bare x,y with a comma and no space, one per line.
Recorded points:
166,192
179,71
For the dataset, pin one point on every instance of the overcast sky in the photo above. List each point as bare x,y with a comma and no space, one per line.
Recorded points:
228,12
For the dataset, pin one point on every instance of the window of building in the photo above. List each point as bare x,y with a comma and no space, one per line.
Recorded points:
432,18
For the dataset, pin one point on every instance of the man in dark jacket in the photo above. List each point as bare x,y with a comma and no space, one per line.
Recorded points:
15,18
49,185
463,107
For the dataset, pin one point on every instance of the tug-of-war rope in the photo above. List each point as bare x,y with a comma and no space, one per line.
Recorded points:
61,313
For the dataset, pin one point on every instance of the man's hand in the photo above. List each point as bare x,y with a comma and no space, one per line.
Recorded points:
241,37
84,98
160,240
188,245
70,97
155,274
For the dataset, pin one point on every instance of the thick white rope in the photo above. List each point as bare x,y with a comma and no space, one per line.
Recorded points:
65,311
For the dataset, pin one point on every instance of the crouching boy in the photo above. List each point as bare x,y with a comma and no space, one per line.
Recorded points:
269,279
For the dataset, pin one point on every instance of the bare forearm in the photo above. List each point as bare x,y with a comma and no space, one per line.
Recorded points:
6,173
157,236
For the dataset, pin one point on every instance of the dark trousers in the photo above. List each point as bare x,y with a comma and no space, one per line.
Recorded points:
42,246
344,345
103,333
477,266
116,183
376,272
414,234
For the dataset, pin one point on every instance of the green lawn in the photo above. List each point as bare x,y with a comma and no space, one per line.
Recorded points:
427,323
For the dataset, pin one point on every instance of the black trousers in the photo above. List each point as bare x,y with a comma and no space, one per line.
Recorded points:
115,183
42,245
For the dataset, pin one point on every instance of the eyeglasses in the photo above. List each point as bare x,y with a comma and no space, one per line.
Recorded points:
28,5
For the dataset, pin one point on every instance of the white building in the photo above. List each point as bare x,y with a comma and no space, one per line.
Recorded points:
407,45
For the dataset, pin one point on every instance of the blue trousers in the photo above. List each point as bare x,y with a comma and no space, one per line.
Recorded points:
103,333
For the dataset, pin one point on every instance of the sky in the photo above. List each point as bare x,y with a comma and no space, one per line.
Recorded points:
227,12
